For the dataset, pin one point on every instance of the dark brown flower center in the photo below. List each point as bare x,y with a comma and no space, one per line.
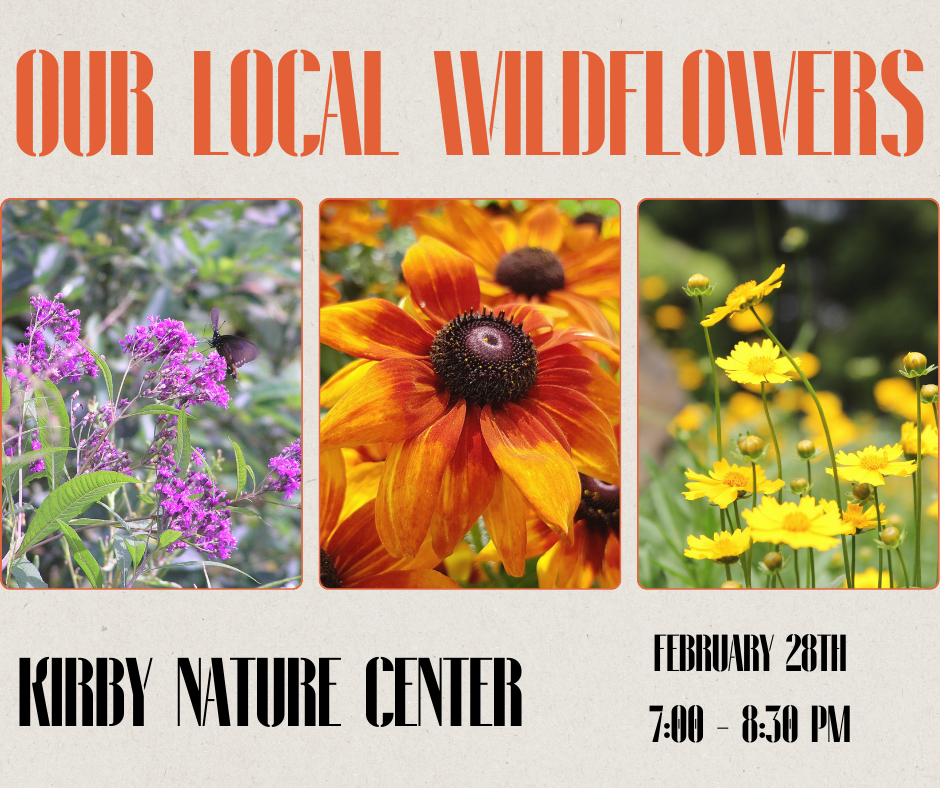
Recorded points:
600,505
591,218
329,577
485,358
531,270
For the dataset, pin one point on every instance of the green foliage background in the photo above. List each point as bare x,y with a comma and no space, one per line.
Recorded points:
120,261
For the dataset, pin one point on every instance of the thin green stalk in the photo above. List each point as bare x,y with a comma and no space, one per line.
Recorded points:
750,550
811,569
918,495
822,417
773,436
727,571
711,357
936,416
880,529
907,583
796,566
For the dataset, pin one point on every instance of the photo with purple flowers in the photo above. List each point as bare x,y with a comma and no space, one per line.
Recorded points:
139,450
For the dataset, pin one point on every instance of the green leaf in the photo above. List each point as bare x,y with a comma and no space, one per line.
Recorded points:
137,547
12,464
105,372
144,497
251,473
183,446
25,575
208,563
83,521
70,500
279,583
837,583
82,554
6,394
157,410
168,537
240,472
240,510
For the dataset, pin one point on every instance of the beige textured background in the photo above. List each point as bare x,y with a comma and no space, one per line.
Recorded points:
586,657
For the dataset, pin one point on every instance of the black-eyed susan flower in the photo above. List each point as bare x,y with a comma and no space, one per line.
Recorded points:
756,364
726,483
745,296
592,551
351,554
871,465
724,547
928,439
798,525
484,412
346,222
525,259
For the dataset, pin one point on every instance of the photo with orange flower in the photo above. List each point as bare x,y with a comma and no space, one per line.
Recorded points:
470,397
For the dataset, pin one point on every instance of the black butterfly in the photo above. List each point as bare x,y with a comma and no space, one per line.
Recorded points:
235,350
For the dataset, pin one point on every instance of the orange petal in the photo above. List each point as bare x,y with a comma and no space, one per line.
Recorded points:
602,257
543,226
332,489
409,488
505,523
585,312
333,390
466,486
537,464
593,445
443,282
362,483
374,328
566,367
408,578
394,400
483,244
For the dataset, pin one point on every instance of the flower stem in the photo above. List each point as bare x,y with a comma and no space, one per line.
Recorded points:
750,549
711,357
918,494
907,582
796,566
822,417
773,435
811,570
880,529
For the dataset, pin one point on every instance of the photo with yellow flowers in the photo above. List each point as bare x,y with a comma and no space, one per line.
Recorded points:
787,394
470,393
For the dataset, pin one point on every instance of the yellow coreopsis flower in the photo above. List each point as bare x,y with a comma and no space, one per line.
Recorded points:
756,364
928,439
857,516
724,548
806,524
744,297
869,579
725,483
871,465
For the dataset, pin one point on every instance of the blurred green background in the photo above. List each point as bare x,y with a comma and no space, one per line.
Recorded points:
120,261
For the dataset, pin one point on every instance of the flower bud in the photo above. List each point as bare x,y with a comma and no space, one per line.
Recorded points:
773,560
806,449
928,393
731,584
799,485
698,281
750,446
861,491
895,519
890,535
915,362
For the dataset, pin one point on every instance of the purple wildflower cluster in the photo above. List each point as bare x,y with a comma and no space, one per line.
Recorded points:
10,449
193,505
286,469
52,349
97,452
183,375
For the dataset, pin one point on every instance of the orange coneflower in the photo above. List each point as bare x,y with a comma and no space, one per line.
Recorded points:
528,260
351,554
346,222
484,411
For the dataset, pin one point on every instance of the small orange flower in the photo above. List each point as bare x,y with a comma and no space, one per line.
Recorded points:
525,260
328,293
484,411
351,554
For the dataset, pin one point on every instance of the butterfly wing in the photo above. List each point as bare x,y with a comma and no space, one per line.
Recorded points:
236,351
214,319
